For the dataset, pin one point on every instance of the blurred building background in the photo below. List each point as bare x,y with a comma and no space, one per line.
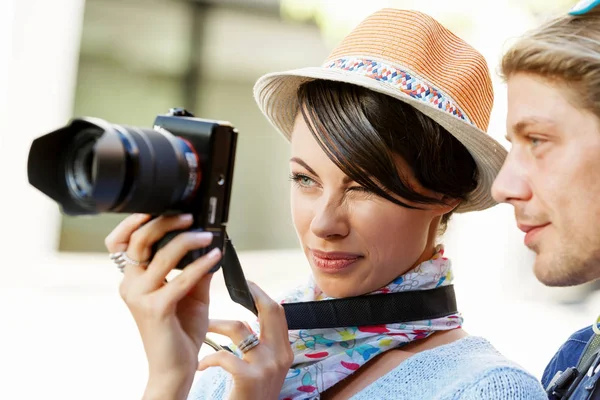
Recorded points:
64,333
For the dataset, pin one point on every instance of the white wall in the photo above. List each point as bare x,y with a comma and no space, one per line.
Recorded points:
40,46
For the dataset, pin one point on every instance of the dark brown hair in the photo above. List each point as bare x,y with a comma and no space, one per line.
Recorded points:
361,130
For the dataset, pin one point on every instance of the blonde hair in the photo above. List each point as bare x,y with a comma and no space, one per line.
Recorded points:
566,51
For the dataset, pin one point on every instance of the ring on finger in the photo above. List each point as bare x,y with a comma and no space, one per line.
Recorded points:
250,342
122,259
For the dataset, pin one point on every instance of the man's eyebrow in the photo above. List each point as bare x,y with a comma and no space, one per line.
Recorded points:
522,125
301,162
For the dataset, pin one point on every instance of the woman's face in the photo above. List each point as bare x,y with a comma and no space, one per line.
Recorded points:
355,241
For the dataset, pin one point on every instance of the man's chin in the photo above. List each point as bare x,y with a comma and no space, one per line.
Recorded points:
557,272
545,270
548,279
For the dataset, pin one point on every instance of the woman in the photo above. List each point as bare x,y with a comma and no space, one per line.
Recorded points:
387,141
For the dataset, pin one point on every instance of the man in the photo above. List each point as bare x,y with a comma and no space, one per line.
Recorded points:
552,173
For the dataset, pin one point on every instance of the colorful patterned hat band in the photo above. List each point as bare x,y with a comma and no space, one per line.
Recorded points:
404,81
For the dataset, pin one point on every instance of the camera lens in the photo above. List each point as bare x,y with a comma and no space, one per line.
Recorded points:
91,166
142,170
79,164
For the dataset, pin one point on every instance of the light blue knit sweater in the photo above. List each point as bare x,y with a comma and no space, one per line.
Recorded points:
467,369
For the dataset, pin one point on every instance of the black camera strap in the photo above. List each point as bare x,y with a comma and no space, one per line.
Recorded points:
377,309
235,281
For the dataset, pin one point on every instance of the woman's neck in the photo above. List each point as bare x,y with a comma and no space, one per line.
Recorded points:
427,254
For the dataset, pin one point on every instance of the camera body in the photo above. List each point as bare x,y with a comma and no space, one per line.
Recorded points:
215,143
183,165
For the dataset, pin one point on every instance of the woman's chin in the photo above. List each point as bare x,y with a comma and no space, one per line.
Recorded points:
338,288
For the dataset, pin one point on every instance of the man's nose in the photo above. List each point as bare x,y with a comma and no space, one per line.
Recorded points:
511,184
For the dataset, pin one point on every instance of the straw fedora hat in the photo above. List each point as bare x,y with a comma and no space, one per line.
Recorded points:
411,57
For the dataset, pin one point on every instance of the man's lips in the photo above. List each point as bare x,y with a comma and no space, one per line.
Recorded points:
529,228
531,231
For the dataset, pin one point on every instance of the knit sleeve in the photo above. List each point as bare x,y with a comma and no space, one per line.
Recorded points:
504,383
212,384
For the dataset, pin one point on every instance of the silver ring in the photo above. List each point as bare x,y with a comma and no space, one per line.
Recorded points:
249,343
122,259
250,346
250,338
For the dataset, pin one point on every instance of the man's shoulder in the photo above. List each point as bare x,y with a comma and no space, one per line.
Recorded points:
584,335
568,354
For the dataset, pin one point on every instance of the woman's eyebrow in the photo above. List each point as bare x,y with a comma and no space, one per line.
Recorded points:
302,163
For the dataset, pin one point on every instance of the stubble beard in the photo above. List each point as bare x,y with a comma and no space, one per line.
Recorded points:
569,265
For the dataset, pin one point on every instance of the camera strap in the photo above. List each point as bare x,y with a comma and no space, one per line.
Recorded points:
376,309
564,383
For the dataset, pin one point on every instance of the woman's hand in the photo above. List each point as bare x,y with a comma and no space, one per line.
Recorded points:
172,317
262,370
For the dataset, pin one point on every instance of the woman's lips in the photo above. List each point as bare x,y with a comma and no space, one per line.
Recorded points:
333,261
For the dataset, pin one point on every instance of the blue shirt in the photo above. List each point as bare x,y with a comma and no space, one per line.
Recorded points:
467,369
567,355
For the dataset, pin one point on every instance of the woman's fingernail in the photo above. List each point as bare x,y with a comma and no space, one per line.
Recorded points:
203,236
139,217
214,253
186,217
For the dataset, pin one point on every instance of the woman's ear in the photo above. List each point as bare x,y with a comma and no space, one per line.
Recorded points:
447,204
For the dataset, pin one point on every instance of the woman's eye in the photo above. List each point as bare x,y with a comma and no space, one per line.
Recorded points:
305,180
360,189
302,180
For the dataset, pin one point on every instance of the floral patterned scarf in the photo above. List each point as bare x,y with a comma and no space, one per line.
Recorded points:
324,357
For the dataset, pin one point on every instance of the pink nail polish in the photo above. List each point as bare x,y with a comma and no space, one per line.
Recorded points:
202,236
214,253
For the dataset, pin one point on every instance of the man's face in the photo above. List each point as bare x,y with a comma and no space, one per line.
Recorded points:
552,179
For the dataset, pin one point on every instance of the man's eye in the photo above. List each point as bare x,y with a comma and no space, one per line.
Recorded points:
534,141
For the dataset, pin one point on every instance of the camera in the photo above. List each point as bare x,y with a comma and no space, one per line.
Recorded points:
183,165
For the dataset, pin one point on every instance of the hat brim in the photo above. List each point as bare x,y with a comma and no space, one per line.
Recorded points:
276,94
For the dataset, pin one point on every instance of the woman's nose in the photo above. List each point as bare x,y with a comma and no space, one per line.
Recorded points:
330,219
